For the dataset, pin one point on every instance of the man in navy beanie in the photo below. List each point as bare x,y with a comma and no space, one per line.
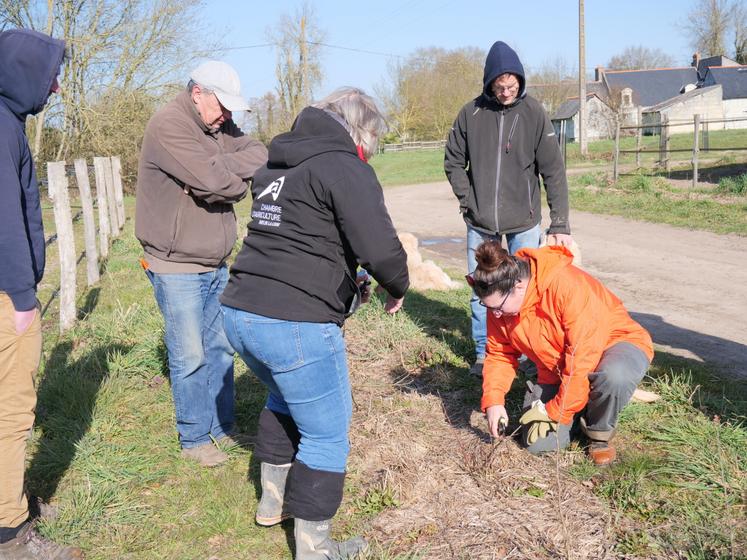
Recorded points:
499,145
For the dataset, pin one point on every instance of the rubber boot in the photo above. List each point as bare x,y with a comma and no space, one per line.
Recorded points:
314,543
270,508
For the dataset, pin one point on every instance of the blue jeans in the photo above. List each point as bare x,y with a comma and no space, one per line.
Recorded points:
515,241
200,357
305,370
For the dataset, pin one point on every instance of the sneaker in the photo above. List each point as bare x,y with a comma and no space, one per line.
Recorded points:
476,368
30,545
207,455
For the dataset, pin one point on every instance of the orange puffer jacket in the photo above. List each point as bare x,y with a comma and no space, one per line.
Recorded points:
567,320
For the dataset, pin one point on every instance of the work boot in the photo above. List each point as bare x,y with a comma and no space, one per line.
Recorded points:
270,508
602,453
30,545
476,368
313,542
207,455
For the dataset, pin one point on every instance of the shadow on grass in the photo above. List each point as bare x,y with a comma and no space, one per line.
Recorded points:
709,174
718,354
66,400
92,300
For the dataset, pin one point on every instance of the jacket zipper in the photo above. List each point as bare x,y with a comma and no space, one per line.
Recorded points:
511,132
498,172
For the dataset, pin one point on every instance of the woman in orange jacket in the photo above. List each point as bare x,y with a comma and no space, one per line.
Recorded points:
590,354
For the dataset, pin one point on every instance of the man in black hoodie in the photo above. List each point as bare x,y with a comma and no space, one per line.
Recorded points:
500,144
29,64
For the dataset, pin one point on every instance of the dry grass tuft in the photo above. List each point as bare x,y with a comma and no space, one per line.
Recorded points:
458,494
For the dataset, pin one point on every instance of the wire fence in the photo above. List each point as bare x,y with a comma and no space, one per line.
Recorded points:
664,128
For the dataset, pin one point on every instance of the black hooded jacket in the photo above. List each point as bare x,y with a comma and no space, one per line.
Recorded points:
495,154
318,213
29,62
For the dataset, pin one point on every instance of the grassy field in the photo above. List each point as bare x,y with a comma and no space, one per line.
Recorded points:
404,168
719,204
424,481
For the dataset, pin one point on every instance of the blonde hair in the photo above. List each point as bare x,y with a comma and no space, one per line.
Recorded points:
365,121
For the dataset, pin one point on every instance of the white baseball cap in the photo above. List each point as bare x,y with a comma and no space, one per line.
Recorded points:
222,80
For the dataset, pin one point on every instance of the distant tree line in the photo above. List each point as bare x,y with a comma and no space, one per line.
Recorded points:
127,57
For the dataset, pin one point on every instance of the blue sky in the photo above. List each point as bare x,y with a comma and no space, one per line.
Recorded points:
539,30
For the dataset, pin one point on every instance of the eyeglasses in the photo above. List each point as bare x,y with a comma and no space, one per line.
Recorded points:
505,89
497,311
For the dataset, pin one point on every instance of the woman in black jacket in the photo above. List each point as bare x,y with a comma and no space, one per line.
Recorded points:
318,213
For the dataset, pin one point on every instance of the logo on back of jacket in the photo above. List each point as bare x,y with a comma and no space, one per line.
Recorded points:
269,214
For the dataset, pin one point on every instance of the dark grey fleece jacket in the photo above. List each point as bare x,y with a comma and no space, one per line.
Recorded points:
495,155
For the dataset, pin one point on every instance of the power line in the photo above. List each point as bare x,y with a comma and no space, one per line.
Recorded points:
248,47
319,44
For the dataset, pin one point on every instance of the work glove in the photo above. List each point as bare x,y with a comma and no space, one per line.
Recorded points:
538,422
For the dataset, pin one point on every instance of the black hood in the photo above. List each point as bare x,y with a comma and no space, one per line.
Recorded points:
314,132
29,62
500,60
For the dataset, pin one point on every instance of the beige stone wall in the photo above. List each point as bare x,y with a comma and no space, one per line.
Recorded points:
735,108
599,120
708,105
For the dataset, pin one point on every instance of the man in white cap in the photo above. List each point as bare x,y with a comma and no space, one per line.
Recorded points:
194,166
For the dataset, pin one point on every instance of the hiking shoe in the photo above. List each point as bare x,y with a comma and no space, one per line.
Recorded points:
476,368
30,545
233,441
314,543
602,453
206,455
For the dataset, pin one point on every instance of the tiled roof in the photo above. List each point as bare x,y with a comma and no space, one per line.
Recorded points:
651,87
733,80
681,98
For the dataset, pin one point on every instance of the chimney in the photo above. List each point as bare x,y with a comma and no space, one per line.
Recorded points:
696,60
598,71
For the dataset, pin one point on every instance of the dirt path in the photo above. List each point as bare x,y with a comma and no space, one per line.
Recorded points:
689,288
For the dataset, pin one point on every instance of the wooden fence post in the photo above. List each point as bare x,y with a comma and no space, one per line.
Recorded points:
696,149
101,198
639,138
104,167
65,241
667,138
111,198
118,192
89,223
615,168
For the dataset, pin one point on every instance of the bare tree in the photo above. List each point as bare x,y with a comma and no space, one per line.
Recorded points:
553,83
425,92
123,57
297,39
640,58
708,24
740,33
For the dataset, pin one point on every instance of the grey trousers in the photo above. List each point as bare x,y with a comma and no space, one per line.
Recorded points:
612,384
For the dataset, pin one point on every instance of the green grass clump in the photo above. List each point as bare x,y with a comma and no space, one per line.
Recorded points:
733,185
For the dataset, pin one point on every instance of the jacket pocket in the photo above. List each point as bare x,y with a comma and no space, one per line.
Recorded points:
529,198
177,224
201,232
349,294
